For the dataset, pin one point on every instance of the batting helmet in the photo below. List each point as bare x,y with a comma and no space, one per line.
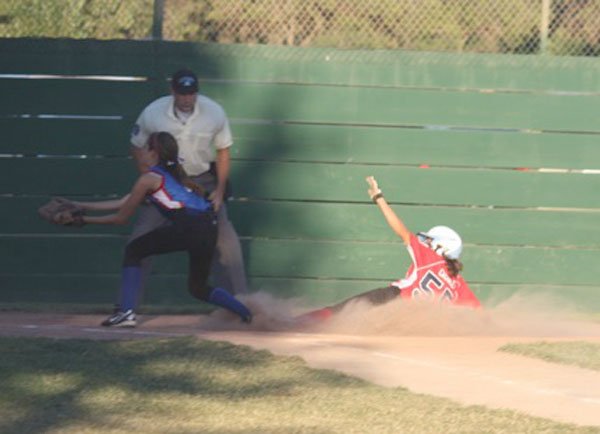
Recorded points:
444,241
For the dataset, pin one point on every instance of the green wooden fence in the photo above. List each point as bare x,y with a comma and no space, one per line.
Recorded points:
505,149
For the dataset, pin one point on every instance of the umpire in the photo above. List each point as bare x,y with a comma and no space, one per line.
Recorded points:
202,130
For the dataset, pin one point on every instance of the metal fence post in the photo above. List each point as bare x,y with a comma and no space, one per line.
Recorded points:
544,26
157,19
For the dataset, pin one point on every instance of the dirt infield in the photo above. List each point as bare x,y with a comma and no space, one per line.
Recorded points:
450,354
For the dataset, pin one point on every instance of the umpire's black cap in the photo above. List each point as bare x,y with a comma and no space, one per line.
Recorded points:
184,82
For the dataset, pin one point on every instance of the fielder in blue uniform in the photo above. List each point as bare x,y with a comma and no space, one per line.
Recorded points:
192,228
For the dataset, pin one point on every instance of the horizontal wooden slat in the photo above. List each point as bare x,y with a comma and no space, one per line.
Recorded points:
287,258
67,176
354,144
386,67
322,292
556,299
364,222
353,222
66,136
90,288
325,143
301,181
410,107
318,103
75,97
77,57
169,290
411,185
315,259
24,219
322,182
165,289
303,65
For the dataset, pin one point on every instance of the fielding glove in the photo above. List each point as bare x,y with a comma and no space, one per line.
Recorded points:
61,211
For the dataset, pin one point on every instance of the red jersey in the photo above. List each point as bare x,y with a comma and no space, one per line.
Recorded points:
428,278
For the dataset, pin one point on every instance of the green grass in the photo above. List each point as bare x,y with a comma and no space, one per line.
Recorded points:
185,386
582,354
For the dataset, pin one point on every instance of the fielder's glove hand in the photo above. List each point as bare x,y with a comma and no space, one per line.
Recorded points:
61,211
374,190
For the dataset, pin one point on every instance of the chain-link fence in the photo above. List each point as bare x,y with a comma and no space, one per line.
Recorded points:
559,27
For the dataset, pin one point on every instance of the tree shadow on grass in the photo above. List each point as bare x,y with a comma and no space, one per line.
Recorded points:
50,384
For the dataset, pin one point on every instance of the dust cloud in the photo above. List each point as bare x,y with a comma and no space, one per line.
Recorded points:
523,315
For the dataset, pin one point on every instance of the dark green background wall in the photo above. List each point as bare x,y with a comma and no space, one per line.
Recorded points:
505,149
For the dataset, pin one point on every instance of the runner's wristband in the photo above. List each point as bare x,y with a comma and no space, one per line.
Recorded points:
377,196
